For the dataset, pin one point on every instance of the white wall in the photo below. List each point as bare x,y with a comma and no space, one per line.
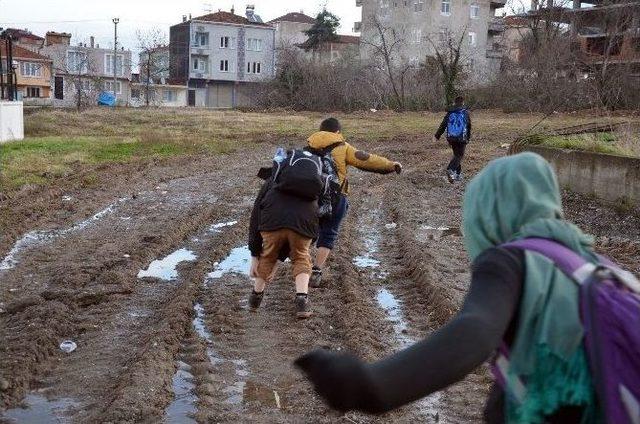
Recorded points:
11,121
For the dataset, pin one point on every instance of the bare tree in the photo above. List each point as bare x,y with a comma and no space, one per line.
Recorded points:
451,59
80,72
154,60
387,47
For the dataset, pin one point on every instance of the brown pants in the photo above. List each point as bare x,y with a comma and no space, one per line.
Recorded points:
273,241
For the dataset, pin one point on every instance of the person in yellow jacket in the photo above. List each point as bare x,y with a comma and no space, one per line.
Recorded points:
330,138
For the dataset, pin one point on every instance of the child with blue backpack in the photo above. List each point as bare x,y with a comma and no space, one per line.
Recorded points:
457,124
562,322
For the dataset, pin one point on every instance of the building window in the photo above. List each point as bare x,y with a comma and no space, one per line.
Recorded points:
135,93
108,86
109,63
254,44
227,42
475,11
445,7
169,96
29,69
418,5
418,36
224,66
472,39
201,39
33,91
77,62
254,67
199,64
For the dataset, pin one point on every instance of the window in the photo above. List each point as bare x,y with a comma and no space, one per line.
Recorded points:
77,62
472,39
475,11
29,69
201,39
227,42
418,5
33,91
108,64
199,64
254,67
169,96
224,66
445,7
108,86
418,36
135,93
254,44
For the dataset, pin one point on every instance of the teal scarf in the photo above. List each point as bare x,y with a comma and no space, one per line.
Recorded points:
518,197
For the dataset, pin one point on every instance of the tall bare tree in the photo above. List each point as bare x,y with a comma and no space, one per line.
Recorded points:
451,58
154,60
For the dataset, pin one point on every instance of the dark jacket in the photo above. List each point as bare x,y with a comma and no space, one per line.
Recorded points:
274,210
445,121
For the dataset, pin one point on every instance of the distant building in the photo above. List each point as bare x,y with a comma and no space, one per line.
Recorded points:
290,29
154,63
220,56
420,24
33,74
342,47
162,92
24,38
87,70
516,29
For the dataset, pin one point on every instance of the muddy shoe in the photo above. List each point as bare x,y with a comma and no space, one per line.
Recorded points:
302,306
255,299
451,176
316,277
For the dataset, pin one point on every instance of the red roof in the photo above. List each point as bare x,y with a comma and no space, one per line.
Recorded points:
21,53
21,33
295,17
227,18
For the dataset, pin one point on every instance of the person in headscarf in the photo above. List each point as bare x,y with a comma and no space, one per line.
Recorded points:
516,297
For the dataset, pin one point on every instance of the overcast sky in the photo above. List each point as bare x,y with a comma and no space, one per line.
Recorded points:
84,18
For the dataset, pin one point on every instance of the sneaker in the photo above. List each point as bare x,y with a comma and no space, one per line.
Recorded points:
255,299
459,176
302,306
451,176
316,277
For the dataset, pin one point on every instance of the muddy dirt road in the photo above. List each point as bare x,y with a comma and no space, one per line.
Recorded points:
148,277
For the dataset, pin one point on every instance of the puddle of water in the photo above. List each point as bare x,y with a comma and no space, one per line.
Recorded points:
39,410
215,228
183,406
392,307
366,262
39,237
371,247
165,269
436,233
237,262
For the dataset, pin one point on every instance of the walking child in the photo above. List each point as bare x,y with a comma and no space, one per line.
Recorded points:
284,221
457,124
329,141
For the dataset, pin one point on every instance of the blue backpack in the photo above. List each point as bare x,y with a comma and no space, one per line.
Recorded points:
457,125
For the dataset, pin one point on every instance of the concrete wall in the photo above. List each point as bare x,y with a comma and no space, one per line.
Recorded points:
11,121
608,177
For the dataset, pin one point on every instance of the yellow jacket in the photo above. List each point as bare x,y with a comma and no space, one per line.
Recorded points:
346,154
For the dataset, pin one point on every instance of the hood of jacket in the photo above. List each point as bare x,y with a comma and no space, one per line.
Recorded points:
322,139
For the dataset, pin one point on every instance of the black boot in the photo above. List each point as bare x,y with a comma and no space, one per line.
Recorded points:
255,299
302,306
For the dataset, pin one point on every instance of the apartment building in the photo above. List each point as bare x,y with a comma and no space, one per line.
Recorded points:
24,38
33,74
87,69
421,24
290,29
219,56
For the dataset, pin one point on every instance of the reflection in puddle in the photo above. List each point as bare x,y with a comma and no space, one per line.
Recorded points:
436,233
183,406
39,237
391,306
39,410
238,262
165,269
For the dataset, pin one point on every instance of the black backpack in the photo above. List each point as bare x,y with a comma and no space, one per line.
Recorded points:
299,174
330,197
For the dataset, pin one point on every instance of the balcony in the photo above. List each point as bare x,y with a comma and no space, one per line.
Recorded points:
496,26
496,4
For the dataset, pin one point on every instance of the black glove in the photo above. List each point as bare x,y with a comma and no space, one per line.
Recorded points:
342,380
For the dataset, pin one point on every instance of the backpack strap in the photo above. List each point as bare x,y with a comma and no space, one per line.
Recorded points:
325,150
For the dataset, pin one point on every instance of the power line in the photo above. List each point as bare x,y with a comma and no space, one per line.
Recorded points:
52,22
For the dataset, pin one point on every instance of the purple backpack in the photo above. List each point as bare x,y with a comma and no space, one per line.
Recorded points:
610,313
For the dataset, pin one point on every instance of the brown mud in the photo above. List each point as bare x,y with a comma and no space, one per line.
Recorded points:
399,272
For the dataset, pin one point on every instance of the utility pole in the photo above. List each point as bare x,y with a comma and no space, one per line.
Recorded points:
115,58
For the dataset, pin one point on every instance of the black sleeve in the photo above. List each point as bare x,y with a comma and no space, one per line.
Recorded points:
255,239
439,360
443,126
468,126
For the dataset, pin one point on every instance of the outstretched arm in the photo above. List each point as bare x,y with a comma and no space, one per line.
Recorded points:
436,362
368,162
442,127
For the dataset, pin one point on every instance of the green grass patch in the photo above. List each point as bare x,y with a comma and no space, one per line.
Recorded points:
606,143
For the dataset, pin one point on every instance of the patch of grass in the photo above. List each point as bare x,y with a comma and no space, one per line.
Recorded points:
606,143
